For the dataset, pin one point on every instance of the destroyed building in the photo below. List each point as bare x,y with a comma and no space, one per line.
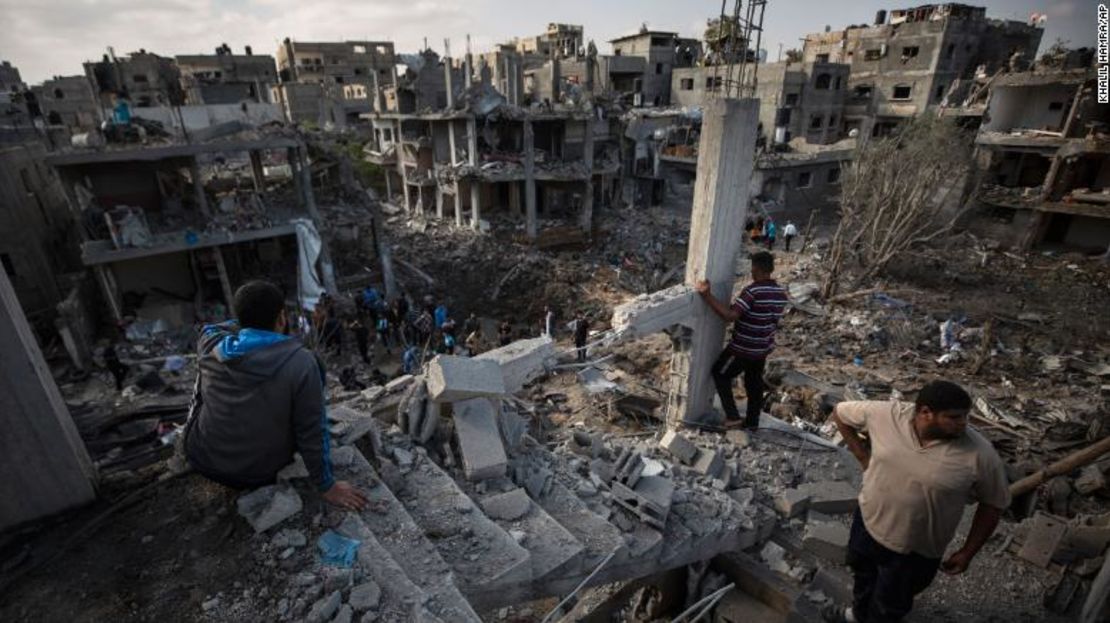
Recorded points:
144,78
557,41
225,77
168,231
69,101
662,52
314,78
455,147
1044,155
907,62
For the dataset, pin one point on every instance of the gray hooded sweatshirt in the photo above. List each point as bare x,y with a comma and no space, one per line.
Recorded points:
259,397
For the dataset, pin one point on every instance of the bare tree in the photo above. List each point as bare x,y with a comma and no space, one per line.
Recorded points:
902,190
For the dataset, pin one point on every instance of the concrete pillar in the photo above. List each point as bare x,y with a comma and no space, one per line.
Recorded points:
518,80
294,170
107,286
556,87
458,204
586,218
725,157
225,281
451,141
475,203
388,186
198,187
45,466
439,203
514,199
447,77
258,174
529,180
472,141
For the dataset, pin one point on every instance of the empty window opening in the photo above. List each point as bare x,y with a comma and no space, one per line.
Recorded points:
902,92
59,94
822,58
838,83
940,92
686,84
805,179
659,68
873,54
1056,106
950,50
910,51
833,175
823,81
139,78
791,99
862,91
815,122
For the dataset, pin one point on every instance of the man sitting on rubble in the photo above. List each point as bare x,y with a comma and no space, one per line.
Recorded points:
259,397
755,315
922,464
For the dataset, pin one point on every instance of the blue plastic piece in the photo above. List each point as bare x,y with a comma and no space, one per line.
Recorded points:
337,550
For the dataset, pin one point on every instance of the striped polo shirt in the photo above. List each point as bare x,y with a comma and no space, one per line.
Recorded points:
760,305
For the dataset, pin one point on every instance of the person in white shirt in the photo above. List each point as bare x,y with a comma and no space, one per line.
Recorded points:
788,233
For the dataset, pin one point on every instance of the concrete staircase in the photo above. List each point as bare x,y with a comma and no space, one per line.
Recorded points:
439,547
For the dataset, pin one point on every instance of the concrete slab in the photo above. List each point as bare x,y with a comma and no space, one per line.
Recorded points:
479,551
522,361
709,463
832,497
406,542
827,539
507,506
792,502
655,312
650,500
598,537
451,378
483,454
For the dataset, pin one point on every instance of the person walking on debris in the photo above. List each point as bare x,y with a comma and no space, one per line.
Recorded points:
362,338
470,325
408,359
504,333
772,233
922,463
474,342
581,334
788,233
755,316
383,332
259,396
549,322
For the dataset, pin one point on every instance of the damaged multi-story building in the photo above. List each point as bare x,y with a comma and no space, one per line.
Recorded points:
331,82
225,77
144,78
1043,150
454,146
168,231
908,61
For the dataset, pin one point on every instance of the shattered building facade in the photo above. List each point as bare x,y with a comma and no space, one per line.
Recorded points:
908,63
1043,149
144,78
314,78
225,77
662,52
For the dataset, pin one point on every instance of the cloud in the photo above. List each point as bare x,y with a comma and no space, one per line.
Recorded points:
52,37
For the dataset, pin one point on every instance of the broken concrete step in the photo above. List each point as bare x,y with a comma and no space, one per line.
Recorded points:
399,534
401,599
552,547
479,551
599,537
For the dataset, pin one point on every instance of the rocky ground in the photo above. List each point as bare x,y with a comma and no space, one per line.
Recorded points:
179,551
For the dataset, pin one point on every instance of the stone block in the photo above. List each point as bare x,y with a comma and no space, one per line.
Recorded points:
650,500
507,506
792,502
827,539
452,379
629,467
365,596
324,609
522,361
1043,539
738,438
709,463
1091,479
678,446
268,506
833,497
483,454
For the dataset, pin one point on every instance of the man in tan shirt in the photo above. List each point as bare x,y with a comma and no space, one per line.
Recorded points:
922,464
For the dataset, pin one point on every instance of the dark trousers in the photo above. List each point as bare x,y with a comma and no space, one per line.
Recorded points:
885,581
581,346
787,240
728,366
119,372
363,342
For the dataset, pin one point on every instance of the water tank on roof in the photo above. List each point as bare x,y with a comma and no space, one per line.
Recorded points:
880,17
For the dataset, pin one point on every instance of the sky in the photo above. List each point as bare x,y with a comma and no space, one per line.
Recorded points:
46,38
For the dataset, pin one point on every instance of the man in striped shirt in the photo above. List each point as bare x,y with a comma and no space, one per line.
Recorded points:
755,315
